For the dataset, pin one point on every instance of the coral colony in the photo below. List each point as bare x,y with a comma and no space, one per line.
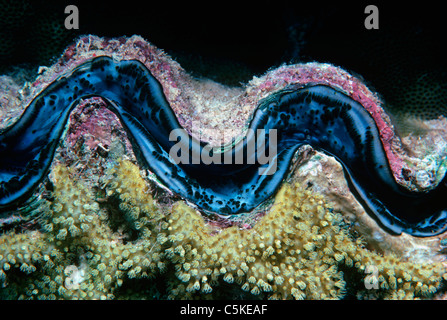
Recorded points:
119,171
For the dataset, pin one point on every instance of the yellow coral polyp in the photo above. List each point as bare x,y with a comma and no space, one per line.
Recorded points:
299,239
293,252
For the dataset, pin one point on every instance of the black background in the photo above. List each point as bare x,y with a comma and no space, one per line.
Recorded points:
230,41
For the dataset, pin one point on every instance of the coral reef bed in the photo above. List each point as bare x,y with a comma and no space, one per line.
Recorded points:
101,227
299,249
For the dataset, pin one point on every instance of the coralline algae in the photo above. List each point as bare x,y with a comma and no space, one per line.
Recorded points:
233,117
